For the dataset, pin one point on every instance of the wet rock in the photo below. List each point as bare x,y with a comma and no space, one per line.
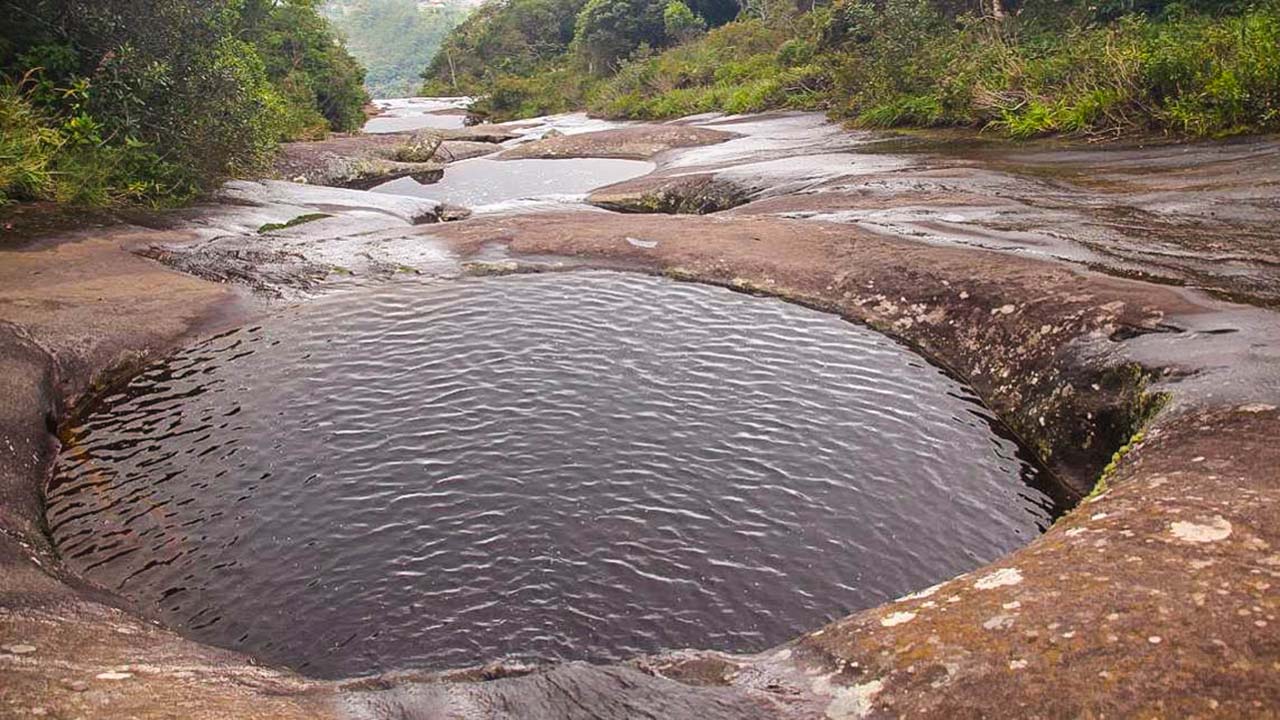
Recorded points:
362,173
238,260
700,194
572,691
362,161
421,147
453,213
635,142
1166,628
897,618
456,150
1000,578
489,134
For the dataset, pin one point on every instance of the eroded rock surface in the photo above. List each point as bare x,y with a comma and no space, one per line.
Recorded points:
635,142
1030,274
698,194
361,161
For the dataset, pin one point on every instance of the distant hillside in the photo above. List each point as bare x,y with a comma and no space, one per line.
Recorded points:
395,39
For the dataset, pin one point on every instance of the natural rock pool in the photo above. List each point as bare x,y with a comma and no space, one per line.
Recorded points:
483,182
559,466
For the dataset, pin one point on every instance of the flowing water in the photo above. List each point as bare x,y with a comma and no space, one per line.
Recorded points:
406,114
570,466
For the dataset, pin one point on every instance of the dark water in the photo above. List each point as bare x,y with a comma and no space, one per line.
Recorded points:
555,466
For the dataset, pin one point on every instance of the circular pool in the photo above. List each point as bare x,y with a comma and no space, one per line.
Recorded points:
557,466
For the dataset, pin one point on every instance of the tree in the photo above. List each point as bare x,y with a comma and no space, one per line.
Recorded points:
164,82
306,60
607,31
154,100
680,23
394,40
513,38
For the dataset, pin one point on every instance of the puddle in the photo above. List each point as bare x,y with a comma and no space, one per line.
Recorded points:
770,137
540,467
482,182
563,123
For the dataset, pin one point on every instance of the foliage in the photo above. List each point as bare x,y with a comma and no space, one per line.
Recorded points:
305,59
607,31
518,56
27,148
680,23
292,222
393,39
1053,68
151,101
1102,68
744,66
549,92
1181,72
503,39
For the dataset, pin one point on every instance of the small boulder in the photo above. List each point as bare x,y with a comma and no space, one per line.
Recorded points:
420,148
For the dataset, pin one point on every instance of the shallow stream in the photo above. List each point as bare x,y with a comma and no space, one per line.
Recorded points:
484,184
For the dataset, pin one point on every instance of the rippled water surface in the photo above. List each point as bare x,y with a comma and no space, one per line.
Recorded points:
581,466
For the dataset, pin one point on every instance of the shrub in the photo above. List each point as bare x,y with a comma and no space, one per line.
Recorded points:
607,31
152,101
27,148
734,68
552,91
680,23
1199,67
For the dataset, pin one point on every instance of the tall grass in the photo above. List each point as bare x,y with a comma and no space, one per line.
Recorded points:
43,158
904,63
745,66
27,148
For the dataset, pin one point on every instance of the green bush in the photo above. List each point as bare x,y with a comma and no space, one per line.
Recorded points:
152,101
1212,76
1206,67
303,58
27,148
515,38
608,31
1043,73
680,23
745,66
552,91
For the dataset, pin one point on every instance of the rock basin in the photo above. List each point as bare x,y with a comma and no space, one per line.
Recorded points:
485,185
1153,598
538,468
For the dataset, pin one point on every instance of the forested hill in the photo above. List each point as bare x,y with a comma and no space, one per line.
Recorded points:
394,39
151,101
1097,68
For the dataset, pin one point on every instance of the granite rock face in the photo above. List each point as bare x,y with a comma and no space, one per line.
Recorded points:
1021,271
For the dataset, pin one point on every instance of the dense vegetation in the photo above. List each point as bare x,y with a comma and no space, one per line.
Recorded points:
393,39
122,101
1096,67
530,57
